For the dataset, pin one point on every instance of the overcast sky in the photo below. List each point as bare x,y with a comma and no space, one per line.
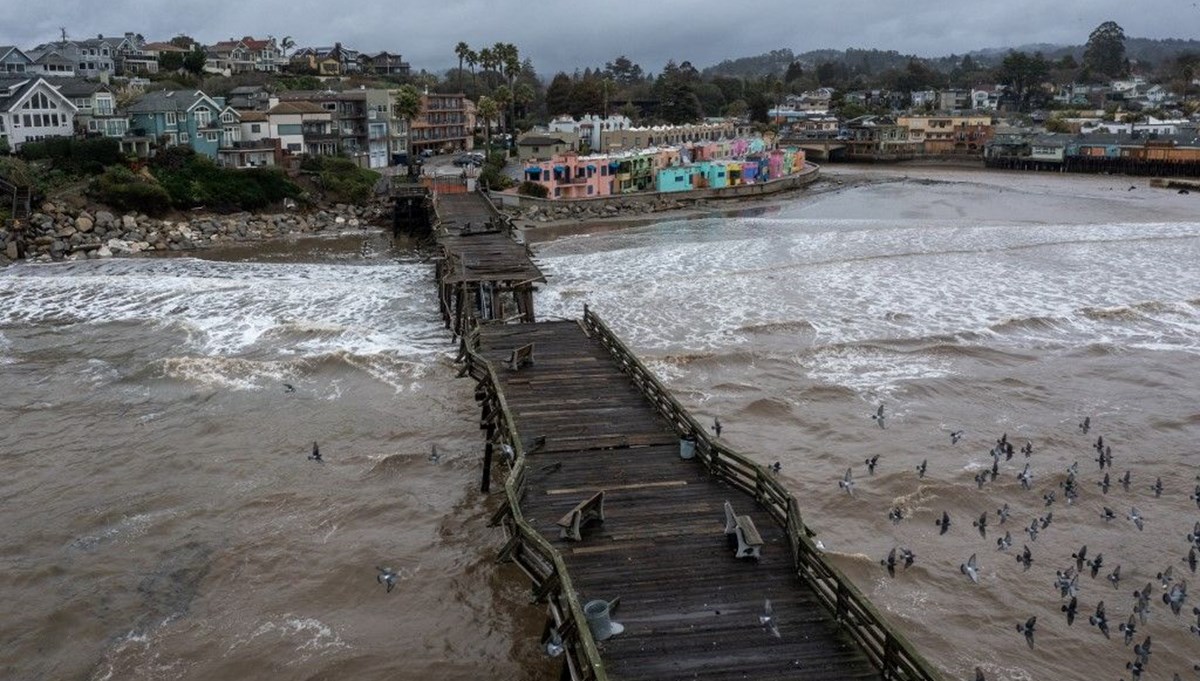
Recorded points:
569,34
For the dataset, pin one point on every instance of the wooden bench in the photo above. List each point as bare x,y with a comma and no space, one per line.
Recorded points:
749,542
520,357
584,512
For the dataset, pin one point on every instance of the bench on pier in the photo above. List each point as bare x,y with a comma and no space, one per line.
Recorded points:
749,542
520,357
585,511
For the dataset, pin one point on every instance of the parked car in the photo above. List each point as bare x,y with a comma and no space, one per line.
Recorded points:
464,160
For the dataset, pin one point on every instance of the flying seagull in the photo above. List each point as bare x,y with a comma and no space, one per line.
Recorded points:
878,416
717,426
1027,630
316,453
970,569
943,522
847,482
387,576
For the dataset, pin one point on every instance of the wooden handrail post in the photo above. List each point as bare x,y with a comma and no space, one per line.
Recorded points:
486,484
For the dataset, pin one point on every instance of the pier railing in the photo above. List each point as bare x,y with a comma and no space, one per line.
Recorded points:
526,546
888,650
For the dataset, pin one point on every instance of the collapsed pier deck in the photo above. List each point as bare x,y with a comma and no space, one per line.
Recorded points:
689,607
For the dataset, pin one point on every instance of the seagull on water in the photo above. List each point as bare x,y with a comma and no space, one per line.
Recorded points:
955,436
434,456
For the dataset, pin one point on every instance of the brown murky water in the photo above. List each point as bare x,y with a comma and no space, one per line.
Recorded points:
162,521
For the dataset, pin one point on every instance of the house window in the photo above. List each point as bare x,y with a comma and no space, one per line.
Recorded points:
557,192
591,190
183,138
210,136
227,117
203,116
255,128
170,118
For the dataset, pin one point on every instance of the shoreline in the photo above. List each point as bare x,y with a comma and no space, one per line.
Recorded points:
831,183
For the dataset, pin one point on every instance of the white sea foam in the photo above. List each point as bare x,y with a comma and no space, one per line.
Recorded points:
707,284
236,308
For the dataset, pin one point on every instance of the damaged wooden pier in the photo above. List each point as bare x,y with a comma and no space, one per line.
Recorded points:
606,515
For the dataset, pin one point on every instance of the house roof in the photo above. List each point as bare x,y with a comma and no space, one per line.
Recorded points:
539,141
253,116
5,50
167,100
13,90
77,87
53,57
284,108
162,47
247,90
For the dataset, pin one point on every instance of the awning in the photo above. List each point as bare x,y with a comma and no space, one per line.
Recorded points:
559,169
533,171
614,164
591,167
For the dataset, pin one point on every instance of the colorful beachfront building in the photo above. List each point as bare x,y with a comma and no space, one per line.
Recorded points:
758,167
709,164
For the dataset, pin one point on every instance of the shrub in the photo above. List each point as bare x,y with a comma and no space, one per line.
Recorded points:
345,182
123,189
74,156
193,180
533,189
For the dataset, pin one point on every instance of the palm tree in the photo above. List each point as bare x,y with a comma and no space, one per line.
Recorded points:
510,63
486,60
286,45
504,98
406,104
461,49
487,109
472,59
523,94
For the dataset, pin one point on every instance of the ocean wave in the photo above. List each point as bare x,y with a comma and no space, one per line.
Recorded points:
798,326
768,408
238,373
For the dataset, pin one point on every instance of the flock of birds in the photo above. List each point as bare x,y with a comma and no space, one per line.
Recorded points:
1174,592
1067,581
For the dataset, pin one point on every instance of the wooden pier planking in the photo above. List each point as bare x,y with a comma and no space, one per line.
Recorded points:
662,547
581,414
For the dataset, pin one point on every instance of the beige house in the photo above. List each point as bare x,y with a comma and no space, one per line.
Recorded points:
948,134
542,146
664,135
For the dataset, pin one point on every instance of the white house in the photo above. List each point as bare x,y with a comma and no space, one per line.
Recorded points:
588,128
302,128
31,109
